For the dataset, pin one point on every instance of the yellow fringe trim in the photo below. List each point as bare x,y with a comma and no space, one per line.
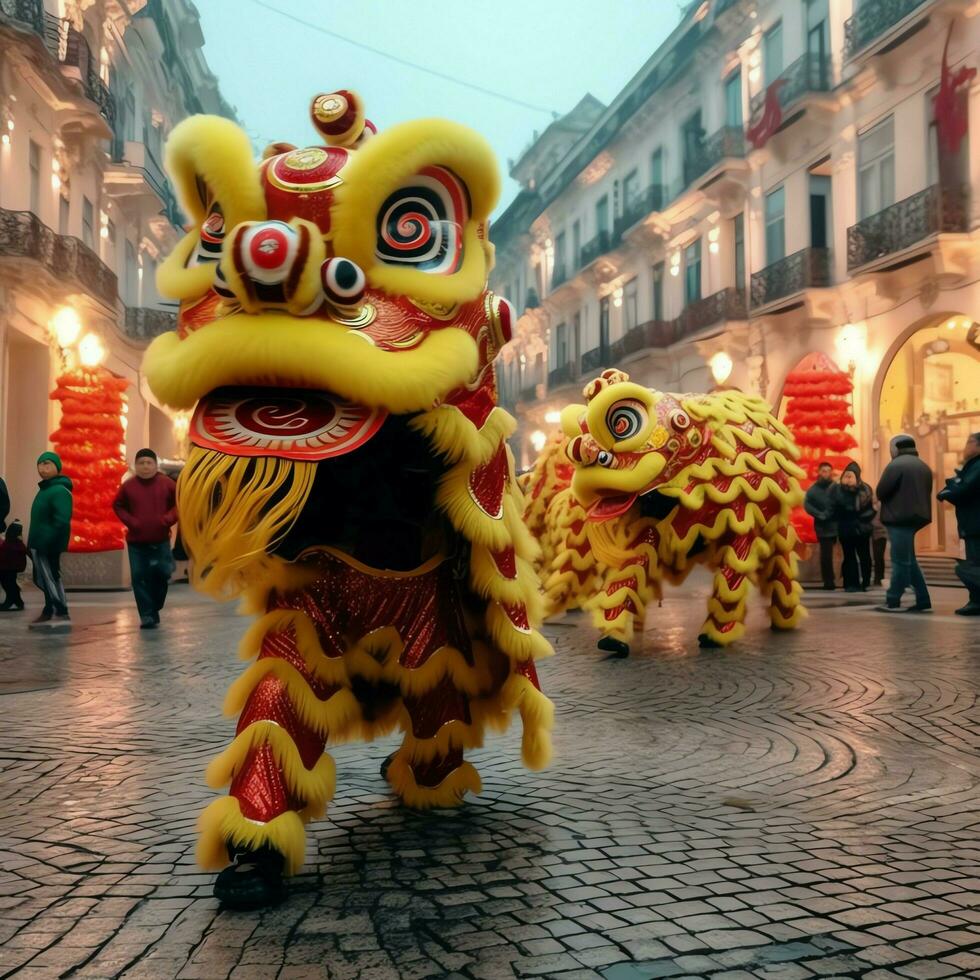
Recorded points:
517,644
221,823
453,435
449,793
315,786
537,717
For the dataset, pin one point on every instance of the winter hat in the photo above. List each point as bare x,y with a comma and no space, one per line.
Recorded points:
855,469
146,454
14,530
50,457
902,443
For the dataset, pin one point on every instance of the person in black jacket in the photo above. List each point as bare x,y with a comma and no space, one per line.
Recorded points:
905,494
854,511
819,504
962,490
4,505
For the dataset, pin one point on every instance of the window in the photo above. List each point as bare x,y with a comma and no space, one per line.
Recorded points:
132,289
692,272
604,324
876,169
692,139
88,221
130,129
775,226
772,53
561,345
576,338
738,239
111,232
576,243
657,176
818,44
602,214
631,190
63,214
630,312
658,291
733,100
35,164
560,252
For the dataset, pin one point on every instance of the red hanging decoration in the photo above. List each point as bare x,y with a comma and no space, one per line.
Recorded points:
90,443
771,119
950,105
818,413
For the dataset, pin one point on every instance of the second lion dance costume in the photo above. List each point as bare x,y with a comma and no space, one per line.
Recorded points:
348,475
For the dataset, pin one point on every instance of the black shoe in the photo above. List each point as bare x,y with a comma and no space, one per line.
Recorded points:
386,765
828,588
148,623
156,618
852,588
970,609
888,607
919,609
707,643
254,881
617,649
43,618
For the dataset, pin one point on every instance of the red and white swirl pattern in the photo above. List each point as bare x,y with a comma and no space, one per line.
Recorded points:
421,224
300,425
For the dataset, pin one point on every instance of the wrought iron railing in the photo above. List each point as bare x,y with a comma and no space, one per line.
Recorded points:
24,236
652,199
810,267
726,304
30,13
727,143
936,209
592,360
810,73
145,324
872,19
559,276
593,248
561,375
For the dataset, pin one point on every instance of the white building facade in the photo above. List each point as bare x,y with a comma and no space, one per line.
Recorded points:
89,90
769,185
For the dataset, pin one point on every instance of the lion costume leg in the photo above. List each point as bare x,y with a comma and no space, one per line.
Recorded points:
290,701
779,580
726,607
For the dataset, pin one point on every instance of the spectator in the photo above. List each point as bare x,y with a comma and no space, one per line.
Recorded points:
4,505
819,504
962,490
854,511
905,494
147,505
13,559
48,537
879,543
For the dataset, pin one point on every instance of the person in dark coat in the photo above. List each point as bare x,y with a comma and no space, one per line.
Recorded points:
13,560
819,504
905,494
147,505
48,537
4,505
962,490
854,512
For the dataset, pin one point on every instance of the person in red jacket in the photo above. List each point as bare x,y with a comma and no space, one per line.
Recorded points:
147,505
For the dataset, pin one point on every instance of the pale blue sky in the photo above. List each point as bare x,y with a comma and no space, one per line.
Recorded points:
545,52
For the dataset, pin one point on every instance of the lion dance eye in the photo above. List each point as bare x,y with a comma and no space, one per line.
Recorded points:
421,225
343,281
604,458
680,420
626,419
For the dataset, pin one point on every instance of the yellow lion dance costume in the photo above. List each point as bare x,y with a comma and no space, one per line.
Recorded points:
661,482
348,476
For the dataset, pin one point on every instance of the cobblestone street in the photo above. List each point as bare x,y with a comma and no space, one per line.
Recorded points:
797,806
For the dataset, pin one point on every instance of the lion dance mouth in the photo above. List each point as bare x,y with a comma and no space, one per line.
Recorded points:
348,477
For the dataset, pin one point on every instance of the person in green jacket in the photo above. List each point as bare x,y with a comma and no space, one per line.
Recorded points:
48,537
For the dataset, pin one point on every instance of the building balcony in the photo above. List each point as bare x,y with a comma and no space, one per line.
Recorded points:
806,269
726,304
142,323
135,174
564,374
728,143
637,209
592,360
873,20
594,249
68,260
932,211
808,75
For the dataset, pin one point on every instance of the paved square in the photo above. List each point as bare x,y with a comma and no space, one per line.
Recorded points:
798,806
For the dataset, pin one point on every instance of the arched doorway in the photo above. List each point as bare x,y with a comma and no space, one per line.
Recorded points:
930,387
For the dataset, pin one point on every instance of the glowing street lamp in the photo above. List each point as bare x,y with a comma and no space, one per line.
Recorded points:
538,439
65,326
721,367
91,352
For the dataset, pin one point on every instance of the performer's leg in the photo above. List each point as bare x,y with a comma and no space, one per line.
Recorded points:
278,773
779,581
428,770
726,607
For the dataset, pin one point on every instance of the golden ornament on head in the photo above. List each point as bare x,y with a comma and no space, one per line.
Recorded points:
308,158
328,108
